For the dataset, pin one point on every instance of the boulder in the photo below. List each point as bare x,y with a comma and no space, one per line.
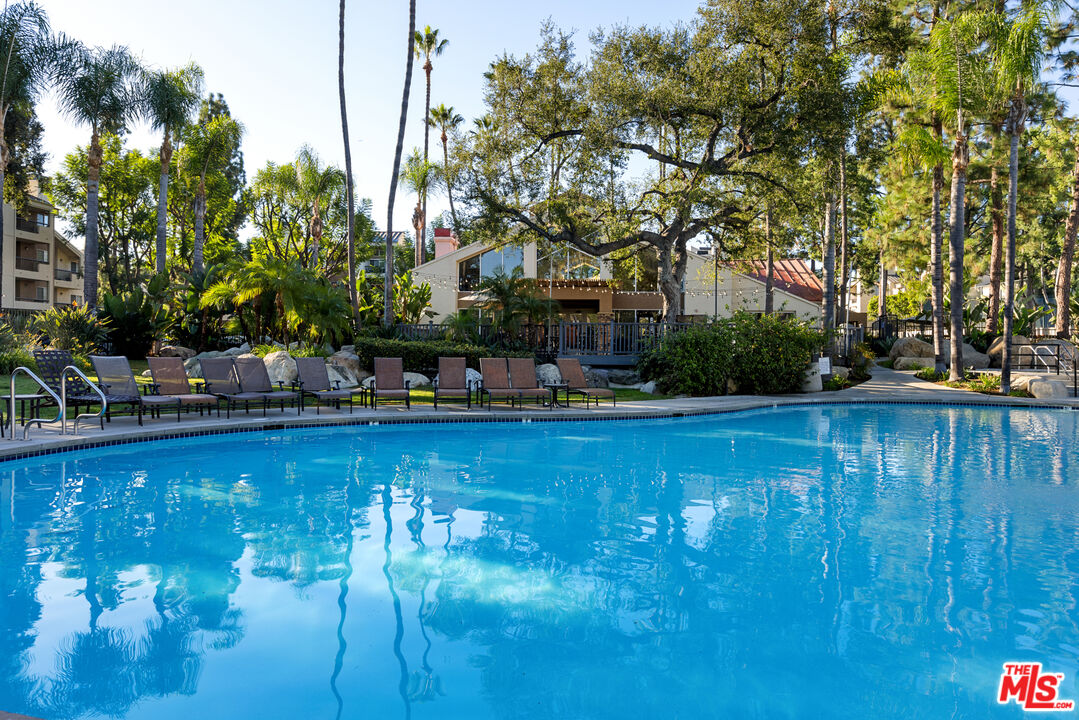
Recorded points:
176,351
348,360
812,382
472,377
416,380
146,373
341,374
974,359
909,347
348,348
912,363
193,368
210,354
649,387
840,371
237,351
623,377
548,374
996,349
281,367
246,355
595,378
1042,388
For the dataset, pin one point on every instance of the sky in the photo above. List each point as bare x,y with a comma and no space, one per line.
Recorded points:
275,61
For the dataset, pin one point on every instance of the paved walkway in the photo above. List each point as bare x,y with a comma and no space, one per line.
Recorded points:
885,386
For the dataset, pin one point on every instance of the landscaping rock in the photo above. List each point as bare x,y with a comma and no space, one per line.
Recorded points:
348,349
237,351
417,380
1043,389
210,354
348,360
649,387
548,374
193,368
996,349
912,363
840,371
812,382
909,347
623,377
472,377
176,351
281,367
595,378
147,373
246,355
974,359
339,373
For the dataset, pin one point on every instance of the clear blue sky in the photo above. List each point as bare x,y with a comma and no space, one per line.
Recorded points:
275,61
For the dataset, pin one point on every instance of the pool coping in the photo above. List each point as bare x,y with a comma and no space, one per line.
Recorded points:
65,444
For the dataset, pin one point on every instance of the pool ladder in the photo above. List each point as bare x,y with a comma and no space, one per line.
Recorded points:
60,400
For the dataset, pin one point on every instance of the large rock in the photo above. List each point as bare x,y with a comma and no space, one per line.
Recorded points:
176,351
649,387
548,374
909,347
840,371
348,348
912,363
341,374
210,354
996,349
414,380
1043,388
623,377
281,367
974,359
472,377
193,368
345,359
812,382
595,378
237,351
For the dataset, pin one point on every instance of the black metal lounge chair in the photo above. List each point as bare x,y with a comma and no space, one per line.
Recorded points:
116,380
223,381
313,381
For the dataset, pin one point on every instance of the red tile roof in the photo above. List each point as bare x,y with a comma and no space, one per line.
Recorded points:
793,276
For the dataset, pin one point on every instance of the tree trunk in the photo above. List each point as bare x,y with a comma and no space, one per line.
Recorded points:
163,202
1067,254
769,266
200,226
670,286
421,241
446,172
828,304
387,283
353,295
996,254
882,291
316,235
844,269
93,179
5,157
1015,125
936,261
957,228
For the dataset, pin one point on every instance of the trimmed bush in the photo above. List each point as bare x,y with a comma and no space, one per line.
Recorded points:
762,355
422,355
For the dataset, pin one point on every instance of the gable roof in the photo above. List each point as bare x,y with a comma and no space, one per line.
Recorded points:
791,275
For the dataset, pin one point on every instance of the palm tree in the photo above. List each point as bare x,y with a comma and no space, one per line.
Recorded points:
419,176
353,296
211,145
316,184
387,280
95,89
29,54
446,119
428,45
168,99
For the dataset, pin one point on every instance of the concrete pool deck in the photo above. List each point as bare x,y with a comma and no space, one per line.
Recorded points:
886,386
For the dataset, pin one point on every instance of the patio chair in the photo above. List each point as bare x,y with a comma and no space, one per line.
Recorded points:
223,382
496,382
170,378
452,382
523,378
313,381
254,378
573,377
50,366
116,380
390,383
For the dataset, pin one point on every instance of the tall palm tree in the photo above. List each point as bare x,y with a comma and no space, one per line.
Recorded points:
419,176
446,120
387,280
428,45
95,89
353,296
169,97
317,185
210,146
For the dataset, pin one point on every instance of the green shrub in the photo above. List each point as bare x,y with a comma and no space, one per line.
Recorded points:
420,355
134,320
929,374
15,357
986,383
837,382
861,355
75,328
762,355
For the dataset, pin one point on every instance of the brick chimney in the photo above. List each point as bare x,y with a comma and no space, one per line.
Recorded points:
445,242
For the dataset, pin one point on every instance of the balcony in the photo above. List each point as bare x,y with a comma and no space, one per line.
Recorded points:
30,226
67,275
24,263
43,301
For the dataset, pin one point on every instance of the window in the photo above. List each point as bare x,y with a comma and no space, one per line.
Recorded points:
74,267
42,292
472,271
42,219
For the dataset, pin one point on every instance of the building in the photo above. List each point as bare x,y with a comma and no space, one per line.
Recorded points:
585,286
41,268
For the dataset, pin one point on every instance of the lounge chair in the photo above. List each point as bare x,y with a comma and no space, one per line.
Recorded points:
254,378
523,378
573,377
313,381
170,378
390,383
116,380
496,382
50,366
452,383
223,381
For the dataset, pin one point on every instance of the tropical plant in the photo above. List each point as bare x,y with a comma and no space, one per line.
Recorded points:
446,120
1026,318
95,89
427,45
136,318
71,327
412,303
419,176
168,98
210,145
462,327
387,285
317,185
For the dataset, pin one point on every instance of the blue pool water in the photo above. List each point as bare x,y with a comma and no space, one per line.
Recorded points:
815,562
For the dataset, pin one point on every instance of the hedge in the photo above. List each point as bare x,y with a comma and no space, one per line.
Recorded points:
422,355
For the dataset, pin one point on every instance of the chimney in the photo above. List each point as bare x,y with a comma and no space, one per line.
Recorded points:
445,242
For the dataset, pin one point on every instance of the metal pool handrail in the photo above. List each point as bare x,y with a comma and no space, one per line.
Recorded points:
40,421
63,399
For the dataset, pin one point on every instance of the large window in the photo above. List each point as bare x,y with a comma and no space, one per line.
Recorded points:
472,271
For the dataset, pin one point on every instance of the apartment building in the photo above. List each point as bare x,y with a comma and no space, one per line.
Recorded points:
41,268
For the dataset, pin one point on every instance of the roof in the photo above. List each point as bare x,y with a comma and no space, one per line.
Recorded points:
791,275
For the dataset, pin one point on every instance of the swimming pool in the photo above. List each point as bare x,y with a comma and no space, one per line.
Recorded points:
820,561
